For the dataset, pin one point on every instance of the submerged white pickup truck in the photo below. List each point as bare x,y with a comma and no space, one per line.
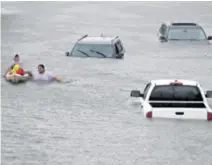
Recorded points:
179,99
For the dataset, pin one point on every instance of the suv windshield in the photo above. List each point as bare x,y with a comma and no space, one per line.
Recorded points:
92,50
176,93
186,33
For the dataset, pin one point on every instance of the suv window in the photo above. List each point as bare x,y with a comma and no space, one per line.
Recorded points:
163,29
176,93
186,33
119,47
89,50
146,90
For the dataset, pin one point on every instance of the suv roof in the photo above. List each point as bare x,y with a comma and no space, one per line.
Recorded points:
168,81
181,24
97,39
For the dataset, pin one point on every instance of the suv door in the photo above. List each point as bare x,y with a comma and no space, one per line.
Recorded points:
119,49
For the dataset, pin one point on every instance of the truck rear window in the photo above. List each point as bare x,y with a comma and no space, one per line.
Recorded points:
176,93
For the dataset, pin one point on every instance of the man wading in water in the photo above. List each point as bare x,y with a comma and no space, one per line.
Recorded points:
43,75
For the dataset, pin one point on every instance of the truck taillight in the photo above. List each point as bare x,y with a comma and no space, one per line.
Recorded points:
149,114
209,115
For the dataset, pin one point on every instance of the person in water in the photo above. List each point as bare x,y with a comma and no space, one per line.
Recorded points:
16,60
43,75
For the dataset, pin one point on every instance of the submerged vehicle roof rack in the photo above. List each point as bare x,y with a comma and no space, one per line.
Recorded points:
82,37
184,24
114,39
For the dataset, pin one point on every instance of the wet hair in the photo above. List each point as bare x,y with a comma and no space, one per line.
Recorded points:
41,65
16,56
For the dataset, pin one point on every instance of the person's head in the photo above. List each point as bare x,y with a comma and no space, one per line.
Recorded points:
16,58
41,68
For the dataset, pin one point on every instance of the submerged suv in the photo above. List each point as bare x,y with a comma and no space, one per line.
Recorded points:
180,99
182,32
101,47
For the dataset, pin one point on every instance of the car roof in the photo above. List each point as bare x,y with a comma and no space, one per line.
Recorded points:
168,81
188,24
97,39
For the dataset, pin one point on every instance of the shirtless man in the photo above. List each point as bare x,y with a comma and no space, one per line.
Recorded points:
43,75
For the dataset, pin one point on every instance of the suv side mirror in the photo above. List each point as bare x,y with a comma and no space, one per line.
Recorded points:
136,93
67,53
162,38
209,37
208,94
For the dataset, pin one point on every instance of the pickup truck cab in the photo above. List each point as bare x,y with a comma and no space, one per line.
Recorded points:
178,99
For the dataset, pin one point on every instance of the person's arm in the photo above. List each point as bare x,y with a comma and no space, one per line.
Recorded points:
8,70
29,73
54,77
57,78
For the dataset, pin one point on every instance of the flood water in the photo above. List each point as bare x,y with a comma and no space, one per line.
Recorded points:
93,120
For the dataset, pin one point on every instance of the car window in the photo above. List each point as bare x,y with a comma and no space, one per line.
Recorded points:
176,93
163,29
162,93
119,47
186,33
84,50
146,90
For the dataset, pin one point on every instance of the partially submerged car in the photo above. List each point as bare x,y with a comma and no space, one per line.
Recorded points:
101,47
177,31
179,99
